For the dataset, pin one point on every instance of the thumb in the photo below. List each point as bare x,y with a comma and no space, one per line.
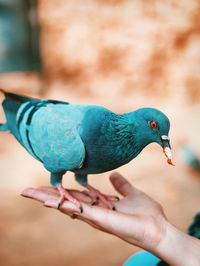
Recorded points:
121,184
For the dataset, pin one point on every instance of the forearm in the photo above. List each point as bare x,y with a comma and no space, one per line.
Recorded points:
178,248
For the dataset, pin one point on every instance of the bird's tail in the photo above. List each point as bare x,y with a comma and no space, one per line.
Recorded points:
11,103
16,98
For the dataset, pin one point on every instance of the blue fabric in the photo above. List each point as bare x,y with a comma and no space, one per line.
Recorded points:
142,259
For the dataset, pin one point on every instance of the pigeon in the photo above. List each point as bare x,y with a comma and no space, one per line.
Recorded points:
83,139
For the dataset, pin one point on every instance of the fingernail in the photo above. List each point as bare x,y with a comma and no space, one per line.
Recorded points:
117,198
27,189
26,196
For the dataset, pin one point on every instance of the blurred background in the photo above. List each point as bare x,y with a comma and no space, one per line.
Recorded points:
121,54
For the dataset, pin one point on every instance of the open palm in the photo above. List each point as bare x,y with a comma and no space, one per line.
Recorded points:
138,219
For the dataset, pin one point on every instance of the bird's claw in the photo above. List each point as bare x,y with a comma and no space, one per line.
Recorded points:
81,208
116,198
97,197
65,195
95,202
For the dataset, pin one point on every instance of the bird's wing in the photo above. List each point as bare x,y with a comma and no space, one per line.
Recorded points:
53,136
16,107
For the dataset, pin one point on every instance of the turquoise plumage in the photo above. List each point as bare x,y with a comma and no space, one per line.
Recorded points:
84,139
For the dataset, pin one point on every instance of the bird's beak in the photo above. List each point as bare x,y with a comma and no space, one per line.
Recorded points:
167,148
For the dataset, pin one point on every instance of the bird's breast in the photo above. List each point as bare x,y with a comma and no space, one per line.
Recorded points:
109,142
103,158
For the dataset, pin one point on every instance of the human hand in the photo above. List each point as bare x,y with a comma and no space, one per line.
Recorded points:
138,219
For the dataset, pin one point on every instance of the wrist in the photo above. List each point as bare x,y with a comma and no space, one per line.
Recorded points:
178,248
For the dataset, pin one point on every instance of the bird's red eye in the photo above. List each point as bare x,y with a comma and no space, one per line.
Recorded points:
153,124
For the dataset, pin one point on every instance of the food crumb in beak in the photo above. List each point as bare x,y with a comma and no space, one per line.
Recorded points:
168,154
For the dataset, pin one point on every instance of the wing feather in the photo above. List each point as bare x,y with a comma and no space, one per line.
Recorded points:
55,138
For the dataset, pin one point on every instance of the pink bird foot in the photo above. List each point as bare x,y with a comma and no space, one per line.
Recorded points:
96,197
65,195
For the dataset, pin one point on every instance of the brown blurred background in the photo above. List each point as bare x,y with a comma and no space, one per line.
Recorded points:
121,54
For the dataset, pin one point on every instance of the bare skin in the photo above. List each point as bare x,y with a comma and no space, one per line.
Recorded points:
138,220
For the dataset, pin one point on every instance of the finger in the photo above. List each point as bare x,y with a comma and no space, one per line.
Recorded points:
70,209
26,192
88,215
66,207
49,189
45,193
36,194
103,219
54,192
121,184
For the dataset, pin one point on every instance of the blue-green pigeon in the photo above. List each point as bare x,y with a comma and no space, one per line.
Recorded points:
84,139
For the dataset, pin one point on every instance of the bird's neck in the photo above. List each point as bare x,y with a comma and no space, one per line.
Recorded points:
122,130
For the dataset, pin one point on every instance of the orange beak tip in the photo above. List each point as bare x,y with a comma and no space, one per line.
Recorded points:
170,162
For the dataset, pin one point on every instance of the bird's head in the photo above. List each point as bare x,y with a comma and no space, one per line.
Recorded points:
154,127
